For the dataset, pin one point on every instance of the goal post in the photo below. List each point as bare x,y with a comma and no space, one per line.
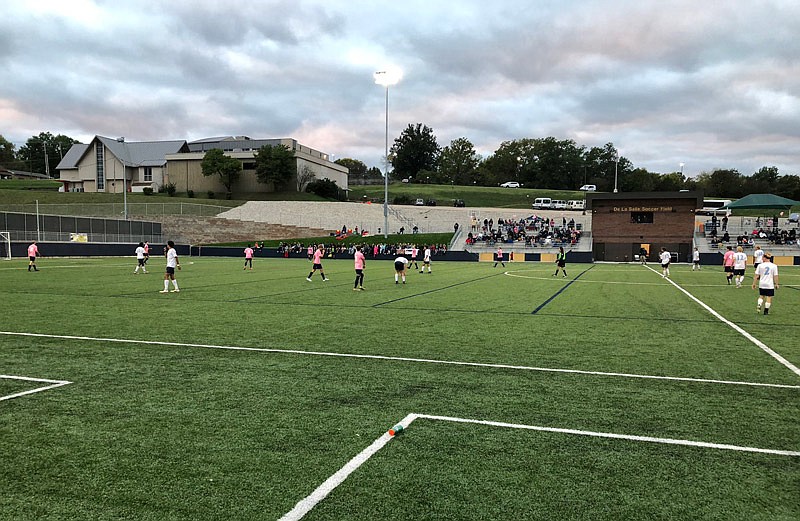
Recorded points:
5,245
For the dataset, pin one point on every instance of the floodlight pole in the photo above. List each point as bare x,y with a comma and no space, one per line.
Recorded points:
616,169
386,171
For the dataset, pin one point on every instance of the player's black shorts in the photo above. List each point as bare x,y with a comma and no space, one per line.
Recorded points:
399,266
141,261
665,266
728,269
359,272
738,273
766,292
32,259
755,265
170,270
562,263
317,267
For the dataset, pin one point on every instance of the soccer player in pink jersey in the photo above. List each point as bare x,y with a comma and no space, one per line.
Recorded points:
248,258
360,262
317,260
499,258
33,252
727,261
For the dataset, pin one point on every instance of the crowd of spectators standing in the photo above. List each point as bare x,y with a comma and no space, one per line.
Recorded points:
342,251
530,231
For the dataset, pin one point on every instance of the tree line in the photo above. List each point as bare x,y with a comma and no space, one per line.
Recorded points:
550,163
546,163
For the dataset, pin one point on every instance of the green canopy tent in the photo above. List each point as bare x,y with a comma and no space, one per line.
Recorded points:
762,202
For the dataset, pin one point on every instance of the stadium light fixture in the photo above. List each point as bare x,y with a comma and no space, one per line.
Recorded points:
386,78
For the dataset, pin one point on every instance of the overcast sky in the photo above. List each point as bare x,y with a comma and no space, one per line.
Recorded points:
712,84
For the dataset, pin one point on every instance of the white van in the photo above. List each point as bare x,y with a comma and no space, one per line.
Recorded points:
576,204
542,203
712,206
558,204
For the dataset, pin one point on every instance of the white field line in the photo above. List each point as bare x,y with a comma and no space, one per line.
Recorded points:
403,359
793,368
305,505
54,384
309,502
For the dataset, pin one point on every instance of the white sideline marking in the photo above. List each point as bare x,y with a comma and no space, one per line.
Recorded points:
305,505
55,383
793,368
404,359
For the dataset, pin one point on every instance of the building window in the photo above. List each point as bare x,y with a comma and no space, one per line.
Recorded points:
642,217
148,174
100,160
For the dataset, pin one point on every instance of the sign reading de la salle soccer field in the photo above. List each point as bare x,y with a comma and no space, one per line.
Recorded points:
615,209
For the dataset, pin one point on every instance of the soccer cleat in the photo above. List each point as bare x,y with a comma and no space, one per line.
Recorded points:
308,279
325,280
396,282
361,288
355,289
175,291
164,291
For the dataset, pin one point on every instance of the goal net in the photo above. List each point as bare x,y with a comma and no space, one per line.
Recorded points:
5,245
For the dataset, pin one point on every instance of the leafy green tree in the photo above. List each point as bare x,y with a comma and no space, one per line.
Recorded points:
324,188
639,180
32,157
672,182
229,169
721,183
458,162
276,165
416,149
788,186
8,156
358,170
764,181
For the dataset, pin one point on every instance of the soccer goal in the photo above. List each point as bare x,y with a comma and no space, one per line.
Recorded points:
5,245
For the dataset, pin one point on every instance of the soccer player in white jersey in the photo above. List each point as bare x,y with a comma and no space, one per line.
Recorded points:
758,256
696,260
767,281
666,258
426,260
400,264
140,259
739,265
172,263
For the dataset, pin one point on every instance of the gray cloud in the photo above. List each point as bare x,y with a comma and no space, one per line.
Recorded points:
711,85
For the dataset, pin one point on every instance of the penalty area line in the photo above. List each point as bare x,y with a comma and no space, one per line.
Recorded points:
403,359
54,384
764,347
305,505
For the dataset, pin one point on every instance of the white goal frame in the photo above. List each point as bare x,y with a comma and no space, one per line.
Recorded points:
5,245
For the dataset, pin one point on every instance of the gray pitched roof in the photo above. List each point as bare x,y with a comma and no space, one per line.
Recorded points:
70,159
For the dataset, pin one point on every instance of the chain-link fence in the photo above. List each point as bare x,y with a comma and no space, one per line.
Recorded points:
117,210
60,228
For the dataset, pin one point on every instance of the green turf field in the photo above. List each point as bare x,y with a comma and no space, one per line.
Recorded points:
607,395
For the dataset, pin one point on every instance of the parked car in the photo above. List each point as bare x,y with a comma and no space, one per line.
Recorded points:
406,180
510,184
588,188
459,203
419,202
541,203
576,204
430,202
558,204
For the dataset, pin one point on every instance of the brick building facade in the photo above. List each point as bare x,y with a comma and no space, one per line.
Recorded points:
623,223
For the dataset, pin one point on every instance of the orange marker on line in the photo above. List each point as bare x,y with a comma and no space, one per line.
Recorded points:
397,429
